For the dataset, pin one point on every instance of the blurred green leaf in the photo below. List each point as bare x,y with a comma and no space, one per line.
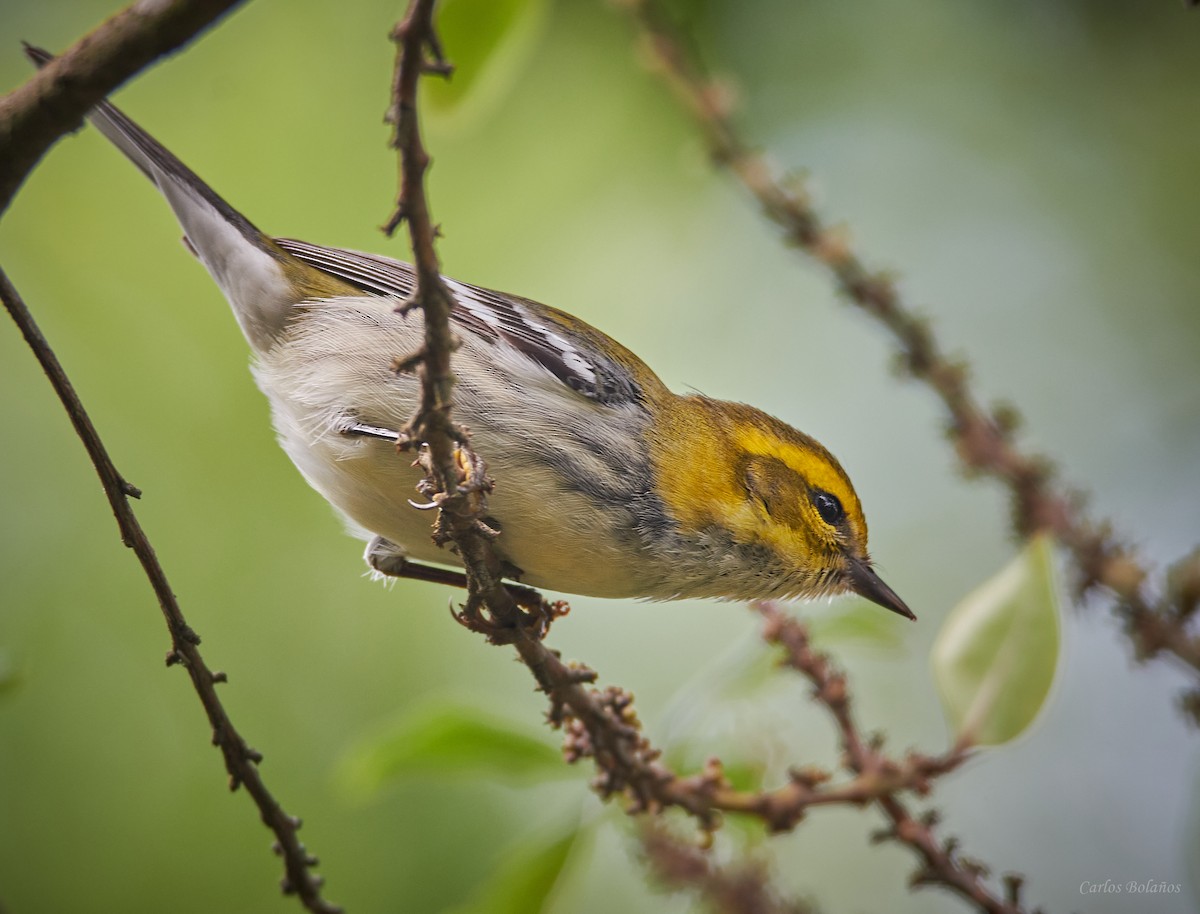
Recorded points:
995,657
450,741
525,879
745,775
742,673
743,670
855,621
739,709
488,44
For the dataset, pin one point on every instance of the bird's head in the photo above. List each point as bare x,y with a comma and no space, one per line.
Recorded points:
775,492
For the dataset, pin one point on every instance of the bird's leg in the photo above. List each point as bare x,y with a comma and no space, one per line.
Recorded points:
348,426
386,558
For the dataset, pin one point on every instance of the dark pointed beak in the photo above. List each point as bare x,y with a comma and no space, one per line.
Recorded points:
866,583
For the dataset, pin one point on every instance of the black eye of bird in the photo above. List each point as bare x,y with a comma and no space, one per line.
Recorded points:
828,507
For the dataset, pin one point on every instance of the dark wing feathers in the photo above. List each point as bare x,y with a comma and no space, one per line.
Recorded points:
371,273
524,324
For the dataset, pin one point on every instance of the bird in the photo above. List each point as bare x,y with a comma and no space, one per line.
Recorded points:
608,484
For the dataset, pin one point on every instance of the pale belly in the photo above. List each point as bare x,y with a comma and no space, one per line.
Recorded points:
334,366
553,536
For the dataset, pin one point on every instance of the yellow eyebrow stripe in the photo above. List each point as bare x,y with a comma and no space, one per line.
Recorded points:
813,463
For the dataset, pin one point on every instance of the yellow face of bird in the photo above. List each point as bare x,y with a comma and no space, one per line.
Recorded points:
797,500
770,486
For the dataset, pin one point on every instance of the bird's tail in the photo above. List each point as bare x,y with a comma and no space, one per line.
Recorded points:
261,280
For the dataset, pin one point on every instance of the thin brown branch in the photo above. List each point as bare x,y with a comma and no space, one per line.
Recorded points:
456,479
983,438
55,99
941,864
241,761
735,888
32,118
431,424
601,724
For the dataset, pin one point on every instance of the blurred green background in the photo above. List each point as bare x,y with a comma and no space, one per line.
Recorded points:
1028,167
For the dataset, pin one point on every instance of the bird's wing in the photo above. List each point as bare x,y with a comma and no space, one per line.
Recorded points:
575,353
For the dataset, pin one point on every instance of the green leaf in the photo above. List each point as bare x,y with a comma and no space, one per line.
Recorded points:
525,878
450,741
855,621
995,657
488,44
739,709
746,775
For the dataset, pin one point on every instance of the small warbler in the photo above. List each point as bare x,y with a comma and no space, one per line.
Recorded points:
609,484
